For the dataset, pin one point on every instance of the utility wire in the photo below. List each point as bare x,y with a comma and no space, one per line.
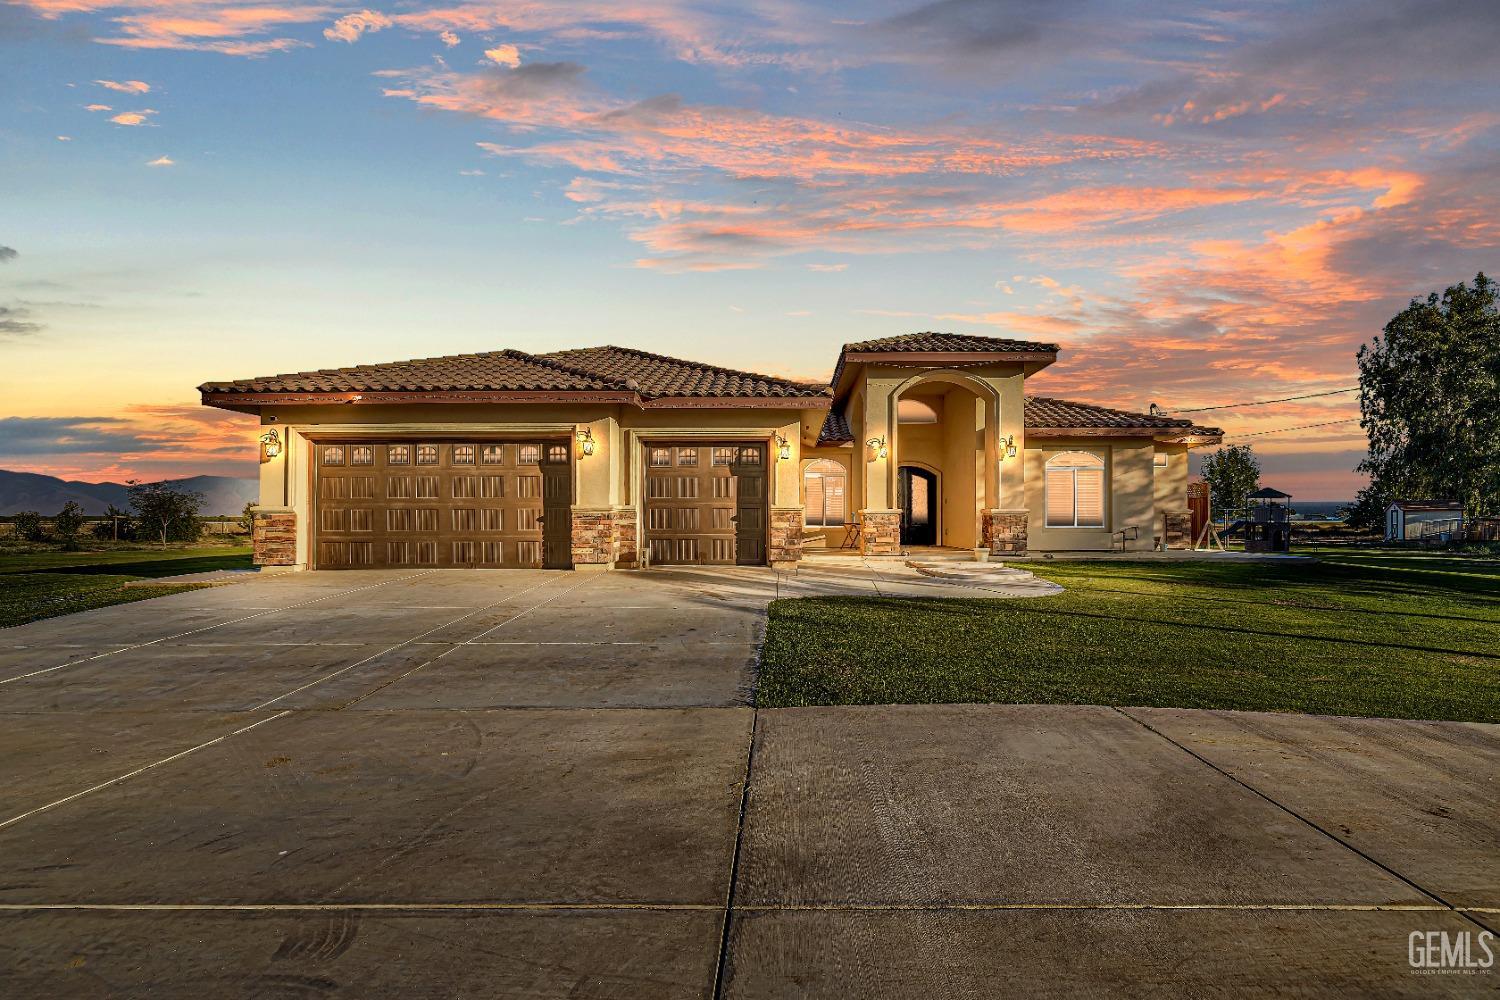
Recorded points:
1303,427
1265,402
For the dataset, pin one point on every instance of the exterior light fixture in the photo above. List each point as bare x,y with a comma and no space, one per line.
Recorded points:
784,446
878,444
354,398
1010,446
586,441
270,445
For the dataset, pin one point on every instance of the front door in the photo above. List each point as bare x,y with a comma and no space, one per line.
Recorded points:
918,489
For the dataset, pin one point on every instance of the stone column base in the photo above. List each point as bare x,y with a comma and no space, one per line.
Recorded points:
1004,531
593,538
275,537
786,537
880,533
627,539
1177,530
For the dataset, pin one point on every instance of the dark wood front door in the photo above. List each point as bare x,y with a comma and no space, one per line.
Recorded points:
919,496
442,503
706,504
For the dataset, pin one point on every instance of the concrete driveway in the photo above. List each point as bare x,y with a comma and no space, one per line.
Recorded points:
539,784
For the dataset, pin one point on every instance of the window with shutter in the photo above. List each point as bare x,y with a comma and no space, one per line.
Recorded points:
824,488
1074,490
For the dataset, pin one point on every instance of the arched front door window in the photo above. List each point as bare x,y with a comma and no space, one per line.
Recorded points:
824,482
1075,490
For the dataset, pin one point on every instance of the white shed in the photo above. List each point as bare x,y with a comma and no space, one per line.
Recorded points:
1412,520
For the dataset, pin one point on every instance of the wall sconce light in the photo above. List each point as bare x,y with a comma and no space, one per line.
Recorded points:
1010,446
784,447
586,441
270,445
878,444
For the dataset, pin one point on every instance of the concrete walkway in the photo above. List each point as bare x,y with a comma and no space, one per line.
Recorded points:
531,784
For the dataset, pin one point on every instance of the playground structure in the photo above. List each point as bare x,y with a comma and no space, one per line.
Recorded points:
1265,523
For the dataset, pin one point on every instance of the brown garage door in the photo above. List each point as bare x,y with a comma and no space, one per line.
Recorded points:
442,503
706,503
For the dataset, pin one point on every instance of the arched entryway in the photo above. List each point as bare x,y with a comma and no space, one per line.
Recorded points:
917,489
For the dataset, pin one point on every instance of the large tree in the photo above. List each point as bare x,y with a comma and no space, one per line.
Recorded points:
1429,398
1232,474
168,513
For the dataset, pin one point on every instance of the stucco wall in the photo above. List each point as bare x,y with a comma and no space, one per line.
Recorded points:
831,538
609,479
1130,499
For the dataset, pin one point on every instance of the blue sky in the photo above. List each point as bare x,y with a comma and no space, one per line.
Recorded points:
1201,205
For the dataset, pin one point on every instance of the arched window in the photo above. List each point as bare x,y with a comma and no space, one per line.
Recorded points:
824,483
1075,490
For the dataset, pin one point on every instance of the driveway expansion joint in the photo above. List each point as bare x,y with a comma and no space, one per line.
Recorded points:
1466,912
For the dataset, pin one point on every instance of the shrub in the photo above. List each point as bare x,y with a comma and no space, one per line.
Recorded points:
29,526
67,524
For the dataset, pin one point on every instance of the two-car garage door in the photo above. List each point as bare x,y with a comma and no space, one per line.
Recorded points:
508,504
443,503
706,504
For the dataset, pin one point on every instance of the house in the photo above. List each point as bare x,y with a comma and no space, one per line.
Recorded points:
613,457
1410,520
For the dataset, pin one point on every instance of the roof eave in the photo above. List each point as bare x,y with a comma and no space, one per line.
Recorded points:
251,402
933,359
1164,435
819,402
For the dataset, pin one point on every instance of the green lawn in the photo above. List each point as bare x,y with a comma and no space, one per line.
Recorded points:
1359,633
42,584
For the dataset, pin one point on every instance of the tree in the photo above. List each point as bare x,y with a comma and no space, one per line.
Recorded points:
1232,474
170,514
67,524
247,518
29,526
1429,399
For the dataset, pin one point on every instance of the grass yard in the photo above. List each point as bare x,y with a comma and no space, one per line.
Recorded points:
1358,633
44,583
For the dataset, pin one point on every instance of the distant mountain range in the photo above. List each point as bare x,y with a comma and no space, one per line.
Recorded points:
46,494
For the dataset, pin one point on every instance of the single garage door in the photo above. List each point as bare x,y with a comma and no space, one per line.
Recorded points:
706,504
442,503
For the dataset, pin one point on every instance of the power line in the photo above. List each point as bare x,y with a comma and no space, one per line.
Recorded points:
1303,427
1263,402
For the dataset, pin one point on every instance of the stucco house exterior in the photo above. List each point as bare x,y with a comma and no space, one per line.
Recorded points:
613,457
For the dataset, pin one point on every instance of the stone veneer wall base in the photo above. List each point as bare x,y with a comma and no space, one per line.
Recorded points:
787,538
1004,531
593,539
880,533
275,538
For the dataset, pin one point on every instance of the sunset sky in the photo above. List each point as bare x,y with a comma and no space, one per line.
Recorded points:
1201,204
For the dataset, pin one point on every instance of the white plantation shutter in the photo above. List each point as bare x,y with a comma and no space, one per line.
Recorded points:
824,485
1060,497
1075,490
814,503
833,500
1089,490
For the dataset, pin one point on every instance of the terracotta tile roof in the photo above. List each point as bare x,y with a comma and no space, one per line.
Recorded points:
1049,413
932,341
616,369
835,430
657,375
1046,413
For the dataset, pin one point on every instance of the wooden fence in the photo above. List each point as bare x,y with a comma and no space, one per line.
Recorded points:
211,525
